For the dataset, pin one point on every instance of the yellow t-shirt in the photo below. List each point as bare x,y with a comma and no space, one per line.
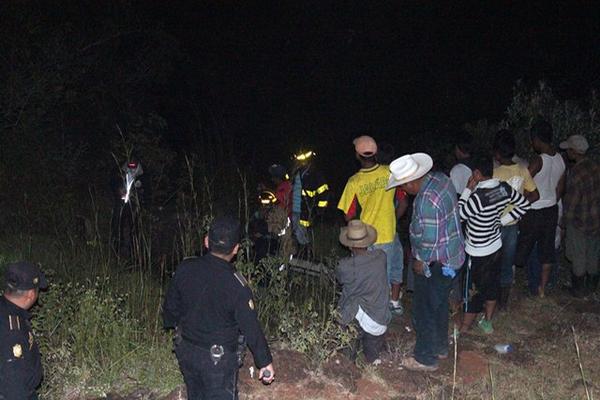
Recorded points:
366,189
518,177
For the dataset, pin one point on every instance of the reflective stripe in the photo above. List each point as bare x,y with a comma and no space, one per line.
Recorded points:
313,193
304,223
322,188
322,203
305,156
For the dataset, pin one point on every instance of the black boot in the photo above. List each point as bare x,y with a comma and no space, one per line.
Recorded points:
578,286
591,282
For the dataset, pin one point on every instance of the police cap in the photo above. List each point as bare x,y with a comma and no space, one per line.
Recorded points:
23,275
224,234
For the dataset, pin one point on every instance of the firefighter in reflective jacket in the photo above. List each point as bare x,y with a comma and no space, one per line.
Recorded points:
309,194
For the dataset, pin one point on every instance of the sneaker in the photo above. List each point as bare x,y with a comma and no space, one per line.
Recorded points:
486,326
411,364
396,309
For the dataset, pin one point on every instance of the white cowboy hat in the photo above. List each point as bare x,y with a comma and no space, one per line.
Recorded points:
357,234
408,168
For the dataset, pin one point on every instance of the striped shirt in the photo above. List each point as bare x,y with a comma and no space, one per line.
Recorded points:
482,210
435,232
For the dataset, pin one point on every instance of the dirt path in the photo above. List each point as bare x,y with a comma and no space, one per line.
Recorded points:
544,363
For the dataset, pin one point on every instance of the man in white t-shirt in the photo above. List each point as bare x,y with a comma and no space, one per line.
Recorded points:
459,175
539,224
461,172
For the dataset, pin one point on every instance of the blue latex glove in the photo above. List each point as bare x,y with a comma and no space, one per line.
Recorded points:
449,272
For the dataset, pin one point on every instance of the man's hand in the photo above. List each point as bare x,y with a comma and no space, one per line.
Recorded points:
419,267
268,370
471,183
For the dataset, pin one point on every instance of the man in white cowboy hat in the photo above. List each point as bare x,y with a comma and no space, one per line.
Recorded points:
438,246
365,291
365,198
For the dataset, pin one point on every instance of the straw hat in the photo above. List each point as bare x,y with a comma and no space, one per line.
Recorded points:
358,234
409,168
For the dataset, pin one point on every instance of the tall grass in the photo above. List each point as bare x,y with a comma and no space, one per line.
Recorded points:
99,325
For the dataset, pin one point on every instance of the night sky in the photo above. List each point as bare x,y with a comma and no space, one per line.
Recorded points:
320,73
273,77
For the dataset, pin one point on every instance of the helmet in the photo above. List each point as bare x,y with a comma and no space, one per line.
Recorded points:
304,155
267,198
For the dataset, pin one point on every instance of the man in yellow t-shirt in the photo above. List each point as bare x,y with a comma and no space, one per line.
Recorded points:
519,178
365,198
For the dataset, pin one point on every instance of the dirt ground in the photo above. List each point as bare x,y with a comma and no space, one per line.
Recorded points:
543,365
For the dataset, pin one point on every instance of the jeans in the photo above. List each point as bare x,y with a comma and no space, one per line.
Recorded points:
395,259
430,315
203,379
510,234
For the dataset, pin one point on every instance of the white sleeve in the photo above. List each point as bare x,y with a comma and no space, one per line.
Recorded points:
459,175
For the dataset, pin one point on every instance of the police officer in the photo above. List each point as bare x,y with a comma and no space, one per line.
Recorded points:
21,367
210,305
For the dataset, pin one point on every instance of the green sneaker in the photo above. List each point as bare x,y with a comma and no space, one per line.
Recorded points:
486,326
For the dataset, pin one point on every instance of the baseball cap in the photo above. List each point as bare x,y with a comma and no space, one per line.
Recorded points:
23,275
576,142
224,232
365,146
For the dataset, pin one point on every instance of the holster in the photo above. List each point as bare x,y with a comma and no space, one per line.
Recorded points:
241,350
177,338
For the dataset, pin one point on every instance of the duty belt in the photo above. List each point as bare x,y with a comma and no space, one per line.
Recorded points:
207,346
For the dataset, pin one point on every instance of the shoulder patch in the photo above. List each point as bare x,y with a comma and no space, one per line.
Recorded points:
241,279
17,351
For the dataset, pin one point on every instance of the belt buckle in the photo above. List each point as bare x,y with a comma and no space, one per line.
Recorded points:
216,353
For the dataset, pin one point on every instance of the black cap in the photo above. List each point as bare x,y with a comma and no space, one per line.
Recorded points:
23,275
224,233
277,171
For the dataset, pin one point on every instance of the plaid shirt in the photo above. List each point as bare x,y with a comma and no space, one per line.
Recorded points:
582,197
435,230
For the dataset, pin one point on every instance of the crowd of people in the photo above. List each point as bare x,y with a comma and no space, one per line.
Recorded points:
468,231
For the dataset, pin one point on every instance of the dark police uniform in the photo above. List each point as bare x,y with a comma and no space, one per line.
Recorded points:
211,304
20,360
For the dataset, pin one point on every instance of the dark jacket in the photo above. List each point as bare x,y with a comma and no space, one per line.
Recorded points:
364,283
315,193
20,365
211,304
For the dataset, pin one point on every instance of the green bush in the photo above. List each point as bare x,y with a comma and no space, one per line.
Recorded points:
296,309
91,343
566,116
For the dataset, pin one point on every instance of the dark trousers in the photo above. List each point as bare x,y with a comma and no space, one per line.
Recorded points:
482,281
371,345
203,379
430,315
